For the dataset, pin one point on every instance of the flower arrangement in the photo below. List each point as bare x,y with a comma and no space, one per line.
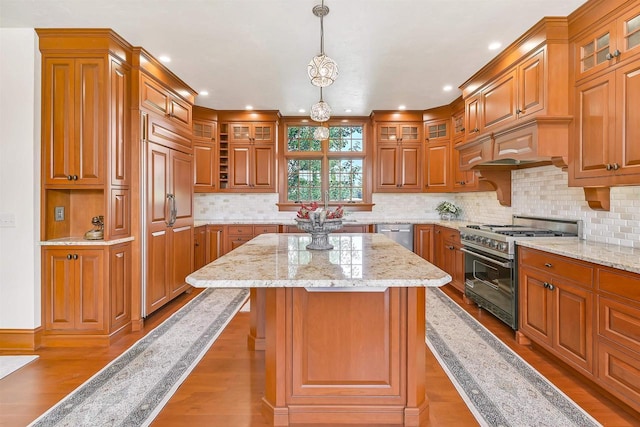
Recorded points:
448,210
303,212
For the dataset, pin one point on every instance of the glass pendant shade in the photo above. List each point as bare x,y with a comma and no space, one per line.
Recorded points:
321,132
320,112
322,70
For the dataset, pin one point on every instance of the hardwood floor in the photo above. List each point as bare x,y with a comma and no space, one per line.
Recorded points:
226,386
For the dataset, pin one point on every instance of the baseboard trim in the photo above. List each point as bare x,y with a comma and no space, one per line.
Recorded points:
20,339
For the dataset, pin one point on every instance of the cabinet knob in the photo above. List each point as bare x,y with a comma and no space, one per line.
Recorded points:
520,111
450,248
69,256
615,166
75,177
69,178
549,286
610,55
608,166
548,264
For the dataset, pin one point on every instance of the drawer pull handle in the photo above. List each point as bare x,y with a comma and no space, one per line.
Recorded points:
548,264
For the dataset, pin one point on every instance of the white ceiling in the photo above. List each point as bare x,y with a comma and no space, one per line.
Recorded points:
255,52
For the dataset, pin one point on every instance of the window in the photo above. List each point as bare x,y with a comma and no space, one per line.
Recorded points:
338,165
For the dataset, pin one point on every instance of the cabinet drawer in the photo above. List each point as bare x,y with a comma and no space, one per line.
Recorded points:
561,266
263,229
626,285
240,230
450,235
619,372
619,322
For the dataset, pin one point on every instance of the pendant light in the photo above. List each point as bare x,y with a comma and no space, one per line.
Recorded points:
322,70
320,112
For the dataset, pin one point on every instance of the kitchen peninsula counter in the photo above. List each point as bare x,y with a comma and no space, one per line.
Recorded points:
344,328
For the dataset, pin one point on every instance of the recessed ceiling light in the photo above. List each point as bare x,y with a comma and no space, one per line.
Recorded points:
447,88
249,107
494,45
164,58
345,121
301,110
204,93
304,120
348,110
402,107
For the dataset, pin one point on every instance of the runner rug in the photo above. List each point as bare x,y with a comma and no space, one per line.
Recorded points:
500,388
133,388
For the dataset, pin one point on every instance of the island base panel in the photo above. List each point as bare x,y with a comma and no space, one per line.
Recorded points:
255,339
339,357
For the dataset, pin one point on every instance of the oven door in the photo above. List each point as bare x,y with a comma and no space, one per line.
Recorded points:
490,283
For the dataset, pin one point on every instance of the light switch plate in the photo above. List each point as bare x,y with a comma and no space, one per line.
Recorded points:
7,219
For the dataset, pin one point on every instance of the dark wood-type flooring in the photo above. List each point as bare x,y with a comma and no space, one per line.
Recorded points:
226,386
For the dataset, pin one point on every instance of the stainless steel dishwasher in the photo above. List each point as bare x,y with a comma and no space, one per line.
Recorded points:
399,233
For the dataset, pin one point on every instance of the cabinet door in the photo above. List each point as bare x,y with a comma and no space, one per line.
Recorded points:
462,180
531,87
263,167
438,167
240,160
436,130
181,187
386,164
410,159
593,52
264,133
214,242
387,133
423,241
239,133
410,133
120,286
628,119
90,296
120,112
156,289
180,258
204,168
536,307
199,247
472,116
74,121
595,126
59,289
499,101
573,330
628,31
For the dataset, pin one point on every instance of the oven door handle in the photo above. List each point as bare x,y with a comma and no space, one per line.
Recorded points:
507,264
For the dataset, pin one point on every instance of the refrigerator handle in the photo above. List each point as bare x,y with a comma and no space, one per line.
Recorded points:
172,210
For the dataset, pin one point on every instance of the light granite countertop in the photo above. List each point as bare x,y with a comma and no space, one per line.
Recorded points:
81,241
364,261
620,257
447,223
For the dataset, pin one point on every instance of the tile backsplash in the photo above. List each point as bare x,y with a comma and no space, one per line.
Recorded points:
541,191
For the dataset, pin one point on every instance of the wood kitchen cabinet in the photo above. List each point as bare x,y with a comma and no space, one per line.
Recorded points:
158,99
199,247
246,152
239,234
556,306
423,242
616,40
214,241
586,314
437,156
399,152
205,150
448,255
86,294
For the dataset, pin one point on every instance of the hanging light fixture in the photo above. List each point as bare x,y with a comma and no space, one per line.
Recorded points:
320,112
322,70
321,132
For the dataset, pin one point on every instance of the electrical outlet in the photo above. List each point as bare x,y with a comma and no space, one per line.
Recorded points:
59,213
7,220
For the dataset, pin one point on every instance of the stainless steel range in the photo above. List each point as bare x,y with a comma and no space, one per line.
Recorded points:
490,264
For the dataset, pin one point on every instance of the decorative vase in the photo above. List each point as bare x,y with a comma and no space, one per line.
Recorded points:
447,216
319,231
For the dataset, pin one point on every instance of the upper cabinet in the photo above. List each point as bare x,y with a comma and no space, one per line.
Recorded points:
605,151
519,102
437,154
398,163
611,43
247,151
205,150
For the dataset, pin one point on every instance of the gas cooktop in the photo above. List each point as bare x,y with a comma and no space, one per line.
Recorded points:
500,240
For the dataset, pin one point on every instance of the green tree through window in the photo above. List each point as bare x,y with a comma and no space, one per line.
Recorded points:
315,166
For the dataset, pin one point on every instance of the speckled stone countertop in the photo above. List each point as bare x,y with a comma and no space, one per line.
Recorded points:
621,257
447,223
367,261
81,241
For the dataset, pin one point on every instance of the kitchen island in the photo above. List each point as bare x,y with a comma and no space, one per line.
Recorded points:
344,328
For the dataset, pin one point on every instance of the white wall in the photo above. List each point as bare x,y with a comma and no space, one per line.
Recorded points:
19,179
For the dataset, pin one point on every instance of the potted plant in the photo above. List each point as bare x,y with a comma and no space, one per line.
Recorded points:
448,210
